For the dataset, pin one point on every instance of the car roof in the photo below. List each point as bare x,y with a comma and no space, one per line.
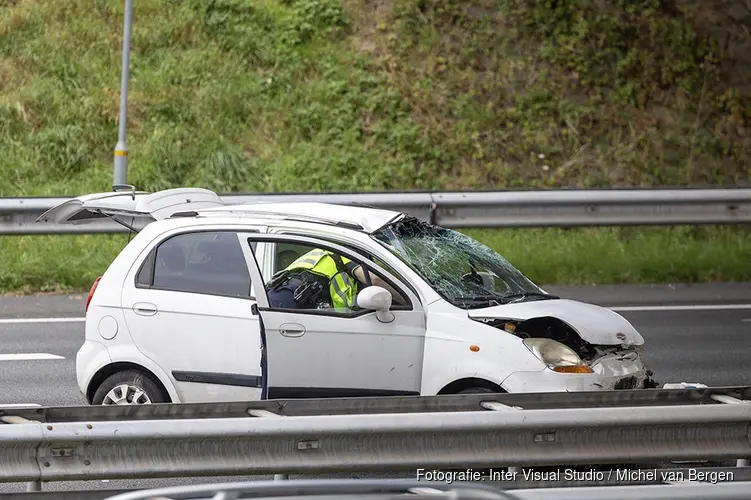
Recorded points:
201,205
356,217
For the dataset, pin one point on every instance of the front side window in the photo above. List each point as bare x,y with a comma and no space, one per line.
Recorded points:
286,253
310,278
465,272
202,262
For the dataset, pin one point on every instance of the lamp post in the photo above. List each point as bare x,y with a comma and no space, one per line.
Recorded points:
120,172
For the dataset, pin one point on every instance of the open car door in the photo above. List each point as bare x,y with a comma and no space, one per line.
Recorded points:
131,204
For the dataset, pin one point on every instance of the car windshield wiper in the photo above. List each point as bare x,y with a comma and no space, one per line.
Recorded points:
529,295
482,299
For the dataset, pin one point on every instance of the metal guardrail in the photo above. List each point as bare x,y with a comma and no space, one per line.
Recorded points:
396,489
553,208
731,483
632,398
491,434
399,490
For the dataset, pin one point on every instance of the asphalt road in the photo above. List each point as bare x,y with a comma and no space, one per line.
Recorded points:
698,333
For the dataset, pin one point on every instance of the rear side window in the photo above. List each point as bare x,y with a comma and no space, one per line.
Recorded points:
203,262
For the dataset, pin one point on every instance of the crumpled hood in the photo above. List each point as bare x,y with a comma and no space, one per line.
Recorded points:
595,324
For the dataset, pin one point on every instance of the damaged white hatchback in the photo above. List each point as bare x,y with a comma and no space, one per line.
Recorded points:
199,307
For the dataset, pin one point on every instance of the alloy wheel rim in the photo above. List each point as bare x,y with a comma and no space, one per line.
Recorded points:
126,394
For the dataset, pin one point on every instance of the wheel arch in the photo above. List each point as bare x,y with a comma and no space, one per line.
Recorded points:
121,366
465,383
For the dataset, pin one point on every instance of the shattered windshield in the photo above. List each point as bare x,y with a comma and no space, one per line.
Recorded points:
462,270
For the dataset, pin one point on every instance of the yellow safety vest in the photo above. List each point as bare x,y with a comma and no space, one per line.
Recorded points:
342,289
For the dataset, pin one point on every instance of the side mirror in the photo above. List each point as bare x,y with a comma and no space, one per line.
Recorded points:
375,298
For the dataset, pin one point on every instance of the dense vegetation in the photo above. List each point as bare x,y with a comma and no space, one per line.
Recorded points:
308,95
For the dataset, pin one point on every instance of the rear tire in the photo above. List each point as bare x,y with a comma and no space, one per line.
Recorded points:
129,387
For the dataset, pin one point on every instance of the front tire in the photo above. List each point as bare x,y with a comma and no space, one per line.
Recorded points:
479,390
130,387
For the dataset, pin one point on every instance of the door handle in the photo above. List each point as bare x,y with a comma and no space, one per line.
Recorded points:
292,330
144,309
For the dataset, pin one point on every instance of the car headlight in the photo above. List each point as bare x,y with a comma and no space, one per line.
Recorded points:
556,356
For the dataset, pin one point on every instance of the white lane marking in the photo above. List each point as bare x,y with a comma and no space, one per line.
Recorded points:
21,321
28,356
705,307
746,320
20,405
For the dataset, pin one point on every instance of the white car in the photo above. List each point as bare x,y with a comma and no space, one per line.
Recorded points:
182,315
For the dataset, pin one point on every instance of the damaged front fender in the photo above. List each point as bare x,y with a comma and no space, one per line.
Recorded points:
593,324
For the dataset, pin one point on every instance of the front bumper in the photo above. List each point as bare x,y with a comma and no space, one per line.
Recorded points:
610,373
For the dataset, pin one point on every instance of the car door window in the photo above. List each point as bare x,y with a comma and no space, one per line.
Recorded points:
200,262
286,253
292,274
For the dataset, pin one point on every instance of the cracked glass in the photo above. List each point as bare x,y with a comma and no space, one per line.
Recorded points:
462,270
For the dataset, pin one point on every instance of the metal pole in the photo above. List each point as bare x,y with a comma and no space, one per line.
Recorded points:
120,173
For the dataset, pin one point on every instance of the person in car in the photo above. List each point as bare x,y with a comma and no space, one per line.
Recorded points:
321,279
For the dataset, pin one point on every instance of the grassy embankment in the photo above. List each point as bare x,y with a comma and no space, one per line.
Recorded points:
322,95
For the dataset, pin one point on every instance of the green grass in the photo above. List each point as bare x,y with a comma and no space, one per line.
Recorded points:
329,95
547,256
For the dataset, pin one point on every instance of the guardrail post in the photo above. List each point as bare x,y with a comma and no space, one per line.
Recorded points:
729,400
269,414
496,406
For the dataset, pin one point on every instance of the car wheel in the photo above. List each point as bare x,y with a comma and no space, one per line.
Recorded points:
129,387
